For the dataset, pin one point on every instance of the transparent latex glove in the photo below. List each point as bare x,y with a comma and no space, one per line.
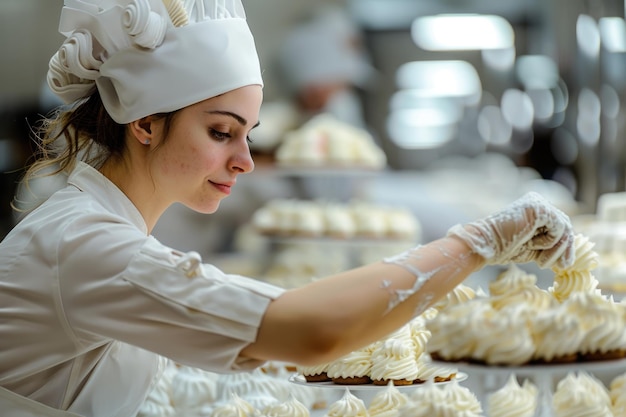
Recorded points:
529,229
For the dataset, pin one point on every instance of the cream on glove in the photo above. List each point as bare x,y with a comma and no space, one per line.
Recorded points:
530,229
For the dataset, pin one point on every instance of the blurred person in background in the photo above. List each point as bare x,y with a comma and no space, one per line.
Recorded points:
325,64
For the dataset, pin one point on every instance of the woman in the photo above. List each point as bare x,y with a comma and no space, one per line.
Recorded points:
163,99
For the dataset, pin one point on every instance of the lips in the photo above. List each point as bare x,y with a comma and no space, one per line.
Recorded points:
224,188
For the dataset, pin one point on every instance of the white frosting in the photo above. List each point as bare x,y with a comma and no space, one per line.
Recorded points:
290,408
512,280
460,294
324,140
557,334
513,399
313,369
347,406
451,336
193,388
355,364
293,217
581,395
618,395
252,384
158,402
602,321
577,278
451,401
502,338
427,370
386,402
235,407
394,358
419,334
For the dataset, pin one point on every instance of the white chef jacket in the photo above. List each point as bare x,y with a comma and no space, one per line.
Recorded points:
90,304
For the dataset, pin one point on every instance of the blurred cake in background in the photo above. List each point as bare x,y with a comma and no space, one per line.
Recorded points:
332,219
325,141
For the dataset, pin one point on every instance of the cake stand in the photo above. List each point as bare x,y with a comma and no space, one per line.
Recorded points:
544,376
364,391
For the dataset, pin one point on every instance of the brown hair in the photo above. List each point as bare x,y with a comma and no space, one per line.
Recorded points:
85,131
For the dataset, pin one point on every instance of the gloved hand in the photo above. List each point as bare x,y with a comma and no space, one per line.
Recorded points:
530,229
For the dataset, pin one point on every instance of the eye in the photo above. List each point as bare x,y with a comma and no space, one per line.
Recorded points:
249,139
218,135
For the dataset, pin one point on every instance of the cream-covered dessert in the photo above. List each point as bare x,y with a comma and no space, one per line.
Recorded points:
338,220
234,407
432,401
603,323
519,323
353,368
513,399
580,394
578,277
314,373
452,338
158,402
427,370
386,402
460,294
327,141
502,339
394,359
419,334
510,281
252,384
617,392
290,408
347,406
320,218
557,335
193,388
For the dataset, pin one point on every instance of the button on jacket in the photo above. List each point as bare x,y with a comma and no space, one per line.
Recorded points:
90,304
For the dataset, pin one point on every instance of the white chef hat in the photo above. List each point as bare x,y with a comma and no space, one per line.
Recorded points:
152,56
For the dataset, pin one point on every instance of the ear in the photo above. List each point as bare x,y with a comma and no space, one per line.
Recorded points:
141,130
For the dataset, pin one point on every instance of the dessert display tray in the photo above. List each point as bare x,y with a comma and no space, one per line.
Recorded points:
609,365
300,380
365,392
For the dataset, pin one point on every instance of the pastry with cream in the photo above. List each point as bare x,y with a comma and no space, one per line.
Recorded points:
353,368
314,373
513,399
581,394
617,392
441,401
347,406
290,408
394,359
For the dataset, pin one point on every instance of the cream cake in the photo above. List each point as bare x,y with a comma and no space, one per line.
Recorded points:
518,323
326,141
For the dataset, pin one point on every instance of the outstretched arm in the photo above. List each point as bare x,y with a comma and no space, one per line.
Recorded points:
335,315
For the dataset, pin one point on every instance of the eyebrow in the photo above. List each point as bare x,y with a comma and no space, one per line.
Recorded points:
235,116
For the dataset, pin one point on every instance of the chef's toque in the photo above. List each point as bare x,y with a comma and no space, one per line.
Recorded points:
152,56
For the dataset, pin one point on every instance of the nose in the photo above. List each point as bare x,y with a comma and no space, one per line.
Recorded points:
242,160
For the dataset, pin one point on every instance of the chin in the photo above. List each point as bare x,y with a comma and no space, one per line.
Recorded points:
204,209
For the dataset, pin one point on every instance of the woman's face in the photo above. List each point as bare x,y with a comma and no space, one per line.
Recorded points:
206,149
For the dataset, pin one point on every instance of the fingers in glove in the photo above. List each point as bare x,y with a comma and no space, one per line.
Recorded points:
561,254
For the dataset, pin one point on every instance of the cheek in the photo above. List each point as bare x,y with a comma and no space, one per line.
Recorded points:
181,159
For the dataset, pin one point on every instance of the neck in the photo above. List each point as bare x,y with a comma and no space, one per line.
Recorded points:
135,182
